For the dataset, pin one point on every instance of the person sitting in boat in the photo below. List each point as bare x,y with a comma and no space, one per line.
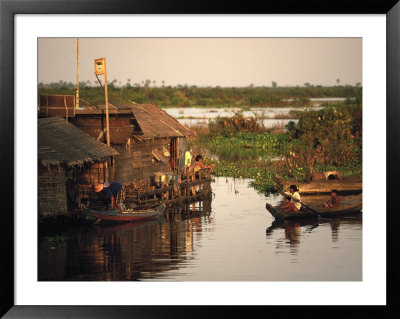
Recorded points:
114,192
292,205
334,201
285,203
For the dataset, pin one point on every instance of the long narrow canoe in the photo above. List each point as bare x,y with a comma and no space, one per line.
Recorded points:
128,215
345,185
348,205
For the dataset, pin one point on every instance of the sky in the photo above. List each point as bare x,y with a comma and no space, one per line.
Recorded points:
225,62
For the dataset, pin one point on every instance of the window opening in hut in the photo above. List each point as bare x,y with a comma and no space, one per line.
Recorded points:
156,158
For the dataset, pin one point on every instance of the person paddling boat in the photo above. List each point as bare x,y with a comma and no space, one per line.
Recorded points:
292,203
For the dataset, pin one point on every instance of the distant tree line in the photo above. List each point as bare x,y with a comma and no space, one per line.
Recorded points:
187,96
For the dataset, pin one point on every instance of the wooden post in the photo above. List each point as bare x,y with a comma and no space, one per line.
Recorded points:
177,157
66,109
100,68
112,167
193,179
106,94
77,75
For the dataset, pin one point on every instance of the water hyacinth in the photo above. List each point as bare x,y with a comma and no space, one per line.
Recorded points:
322,140
251,144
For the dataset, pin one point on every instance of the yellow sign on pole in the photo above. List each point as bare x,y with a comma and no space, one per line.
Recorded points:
100,66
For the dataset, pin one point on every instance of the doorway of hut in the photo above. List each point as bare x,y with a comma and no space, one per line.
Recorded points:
172,152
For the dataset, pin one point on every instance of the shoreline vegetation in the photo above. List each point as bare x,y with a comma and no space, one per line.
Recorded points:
193,96
327,138
263,117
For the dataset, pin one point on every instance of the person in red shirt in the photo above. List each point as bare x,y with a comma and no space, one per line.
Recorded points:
334,201
199,164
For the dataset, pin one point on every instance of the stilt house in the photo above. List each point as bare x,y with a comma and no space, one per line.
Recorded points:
149,141
67,157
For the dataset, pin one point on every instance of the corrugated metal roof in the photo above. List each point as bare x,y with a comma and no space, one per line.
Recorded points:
63,143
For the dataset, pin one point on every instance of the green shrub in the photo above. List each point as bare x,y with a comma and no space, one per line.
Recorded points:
329,136
227,126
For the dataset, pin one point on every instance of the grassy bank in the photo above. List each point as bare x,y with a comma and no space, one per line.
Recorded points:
260,163
322,140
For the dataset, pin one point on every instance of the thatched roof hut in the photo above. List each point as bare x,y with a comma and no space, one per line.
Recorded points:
146,137
63,143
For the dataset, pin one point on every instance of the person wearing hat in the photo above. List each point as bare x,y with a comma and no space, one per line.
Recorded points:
114,192
294,204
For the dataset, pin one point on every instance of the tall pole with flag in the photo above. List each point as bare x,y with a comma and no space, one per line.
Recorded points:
77,74
100,68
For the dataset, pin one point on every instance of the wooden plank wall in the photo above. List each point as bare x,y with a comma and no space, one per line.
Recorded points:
135,161
121,127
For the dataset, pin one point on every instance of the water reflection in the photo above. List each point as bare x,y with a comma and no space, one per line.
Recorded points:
293,230
129,251
232,238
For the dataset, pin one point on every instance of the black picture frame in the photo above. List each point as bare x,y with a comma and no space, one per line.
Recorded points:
8,10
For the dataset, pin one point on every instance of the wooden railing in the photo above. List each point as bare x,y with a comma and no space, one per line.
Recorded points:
193,187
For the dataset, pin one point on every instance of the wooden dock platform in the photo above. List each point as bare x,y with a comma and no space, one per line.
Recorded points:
194,187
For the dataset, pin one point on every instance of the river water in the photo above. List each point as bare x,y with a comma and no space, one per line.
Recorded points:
231,238
201,116
270,117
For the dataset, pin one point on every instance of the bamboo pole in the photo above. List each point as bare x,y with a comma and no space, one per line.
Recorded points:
106,94
77,74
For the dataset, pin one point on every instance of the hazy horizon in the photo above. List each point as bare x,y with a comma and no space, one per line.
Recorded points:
204,62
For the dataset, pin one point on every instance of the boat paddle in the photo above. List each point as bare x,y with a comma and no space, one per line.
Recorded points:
296,200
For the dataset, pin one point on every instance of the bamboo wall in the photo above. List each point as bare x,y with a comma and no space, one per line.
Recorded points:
59,191
52,191
96,173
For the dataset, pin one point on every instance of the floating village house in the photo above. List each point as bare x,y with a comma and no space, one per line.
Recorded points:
150,143
67,156
147,138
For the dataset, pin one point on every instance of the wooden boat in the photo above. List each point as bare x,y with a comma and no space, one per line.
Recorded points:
345,185
129,215
348,205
